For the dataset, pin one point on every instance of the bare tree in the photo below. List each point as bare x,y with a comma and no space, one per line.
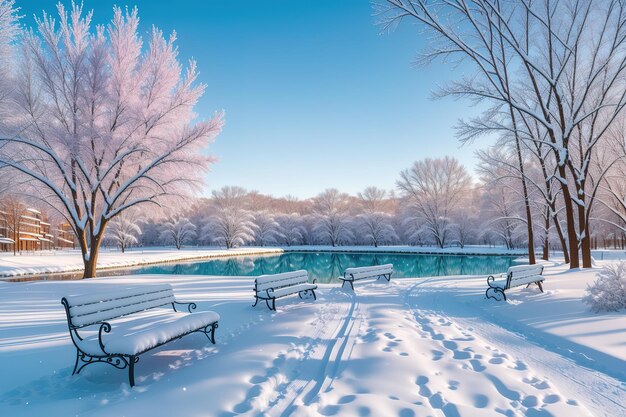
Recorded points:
178,230
435,188
124,229
568,62
330,211
290,228
267,228
230,227
104,122
375,223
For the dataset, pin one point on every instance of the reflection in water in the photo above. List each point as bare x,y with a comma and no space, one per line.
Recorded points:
326,266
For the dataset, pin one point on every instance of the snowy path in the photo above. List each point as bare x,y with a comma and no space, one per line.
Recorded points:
428,347
437,366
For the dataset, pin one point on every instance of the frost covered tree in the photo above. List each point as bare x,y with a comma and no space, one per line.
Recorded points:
267,228
124,230
178,230
330,212
435,189
230,227
374,225
290,228
8,32
103,121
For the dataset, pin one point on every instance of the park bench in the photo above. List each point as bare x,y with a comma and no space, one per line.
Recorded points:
130,322
354,274
271,287
514,277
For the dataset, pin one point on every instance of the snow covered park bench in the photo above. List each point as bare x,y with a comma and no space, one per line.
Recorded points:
271,287
130,322
514,277
354,274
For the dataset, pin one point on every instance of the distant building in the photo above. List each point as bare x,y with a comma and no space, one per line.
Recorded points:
34,234
65,236
6,243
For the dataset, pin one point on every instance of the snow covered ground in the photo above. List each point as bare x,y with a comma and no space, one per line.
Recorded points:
413,347
48,262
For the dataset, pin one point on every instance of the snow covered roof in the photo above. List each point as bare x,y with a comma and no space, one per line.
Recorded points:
65,240
32,210
29,234
29,218
29,224
29,239
6,240
43,239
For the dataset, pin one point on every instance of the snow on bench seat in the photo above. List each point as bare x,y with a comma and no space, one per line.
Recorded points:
147,330
130,321
376,271
515,276
271,287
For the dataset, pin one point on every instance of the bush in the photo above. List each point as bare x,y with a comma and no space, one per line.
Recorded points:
608,293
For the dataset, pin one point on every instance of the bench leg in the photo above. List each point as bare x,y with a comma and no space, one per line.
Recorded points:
131,370
212,334
255,301
273,305
540,286
495,290
349,282
76,363
314,296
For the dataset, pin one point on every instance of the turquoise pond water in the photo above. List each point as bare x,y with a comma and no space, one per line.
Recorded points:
326,266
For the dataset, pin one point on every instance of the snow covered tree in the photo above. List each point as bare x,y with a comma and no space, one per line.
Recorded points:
230,227
178,230
376,228
559,64
435,188
8,32
290,228
103,121
375,223
267,228
330,211
124,229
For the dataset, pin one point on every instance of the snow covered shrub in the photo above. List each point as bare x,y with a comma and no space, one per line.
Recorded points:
608,293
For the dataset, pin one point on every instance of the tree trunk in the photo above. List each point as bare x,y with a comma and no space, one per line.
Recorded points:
529,219
92,261
559,232
585,241
546,244
569,219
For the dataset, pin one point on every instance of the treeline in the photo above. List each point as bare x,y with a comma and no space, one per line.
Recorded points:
435,203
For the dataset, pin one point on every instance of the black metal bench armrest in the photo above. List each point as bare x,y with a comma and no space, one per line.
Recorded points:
270,293
315,281
492,278
190,306
106,328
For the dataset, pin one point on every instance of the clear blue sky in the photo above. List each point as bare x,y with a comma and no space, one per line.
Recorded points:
315,97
